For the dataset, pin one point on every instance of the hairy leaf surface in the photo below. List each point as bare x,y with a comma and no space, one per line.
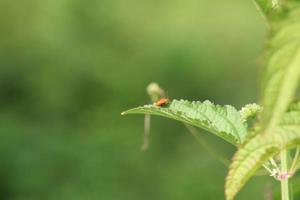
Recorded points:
223,121
252,155
280,81
282,57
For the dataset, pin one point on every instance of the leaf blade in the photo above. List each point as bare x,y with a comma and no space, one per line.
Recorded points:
223,121
258,150
282,72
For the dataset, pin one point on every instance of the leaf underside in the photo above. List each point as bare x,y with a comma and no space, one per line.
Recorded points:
223,121
251,156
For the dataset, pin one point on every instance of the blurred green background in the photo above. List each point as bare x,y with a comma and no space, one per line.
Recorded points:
68,68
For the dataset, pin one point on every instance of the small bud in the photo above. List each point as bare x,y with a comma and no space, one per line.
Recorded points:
250,110
155,92
283,176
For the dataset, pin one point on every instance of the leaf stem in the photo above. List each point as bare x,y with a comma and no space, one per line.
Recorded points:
267,168
285,190
147,121
273,162
295,160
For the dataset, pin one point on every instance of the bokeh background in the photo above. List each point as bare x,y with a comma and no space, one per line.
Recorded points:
68,68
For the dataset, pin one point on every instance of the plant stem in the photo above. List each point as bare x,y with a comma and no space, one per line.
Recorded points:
295,161
147,122
285,190
273,162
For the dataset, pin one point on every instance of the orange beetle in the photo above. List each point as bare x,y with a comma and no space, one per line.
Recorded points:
161,102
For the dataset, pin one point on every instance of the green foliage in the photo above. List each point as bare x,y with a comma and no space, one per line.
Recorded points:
223,121
253,154
279,126
68,67
291,118
67,71
282,64
279,86
256,152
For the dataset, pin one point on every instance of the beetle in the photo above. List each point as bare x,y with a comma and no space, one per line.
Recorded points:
161,102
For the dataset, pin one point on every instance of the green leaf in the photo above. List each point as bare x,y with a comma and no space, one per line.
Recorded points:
292,117
223,121
256,152
280,81
294,106
282,66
